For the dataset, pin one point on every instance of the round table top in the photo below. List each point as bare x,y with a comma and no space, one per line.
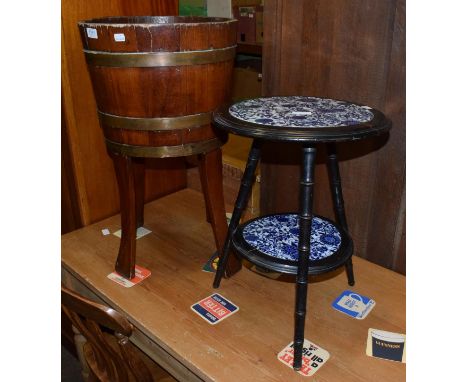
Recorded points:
301,119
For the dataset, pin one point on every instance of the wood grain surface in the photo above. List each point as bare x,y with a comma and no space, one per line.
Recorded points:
351,50
244,346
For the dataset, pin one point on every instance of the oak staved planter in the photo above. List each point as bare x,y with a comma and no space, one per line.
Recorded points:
157,80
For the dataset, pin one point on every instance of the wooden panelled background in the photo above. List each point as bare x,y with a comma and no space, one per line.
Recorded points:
354,50
89,188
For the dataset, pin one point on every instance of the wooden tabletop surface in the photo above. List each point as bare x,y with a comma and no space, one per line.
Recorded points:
242,347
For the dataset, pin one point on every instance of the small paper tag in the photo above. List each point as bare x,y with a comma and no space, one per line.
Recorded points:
313,357
105,231
386,345
140,274
353,304
119,37
214,308
141,231
91,32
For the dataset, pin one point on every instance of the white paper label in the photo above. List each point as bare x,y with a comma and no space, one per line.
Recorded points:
141,231
119,37
91,32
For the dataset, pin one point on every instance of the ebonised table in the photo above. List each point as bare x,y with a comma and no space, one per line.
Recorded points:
296,243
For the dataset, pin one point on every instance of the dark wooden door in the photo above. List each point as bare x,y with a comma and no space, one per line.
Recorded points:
353,50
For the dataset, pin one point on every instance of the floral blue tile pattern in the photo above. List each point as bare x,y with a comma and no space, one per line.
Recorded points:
298,111
277,236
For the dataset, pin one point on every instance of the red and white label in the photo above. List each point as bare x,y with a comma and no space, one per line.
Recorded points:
215,308
313,357
140,274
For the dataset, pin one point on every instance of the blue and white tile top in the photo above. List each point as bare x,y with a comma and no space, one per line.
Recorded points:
298,111
278,236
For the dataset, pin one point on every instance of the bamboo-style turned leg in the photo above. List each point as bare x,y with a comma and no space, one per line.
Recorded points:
338,201
211,175
241,201
305,226
125,170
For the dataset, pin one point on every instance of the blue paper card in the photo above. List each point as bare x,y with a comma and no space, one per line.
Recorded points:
214,308
353,304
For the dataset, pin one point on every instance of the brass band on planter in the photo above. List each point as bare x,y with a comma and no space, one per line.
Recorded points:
154,59
164,151
154,124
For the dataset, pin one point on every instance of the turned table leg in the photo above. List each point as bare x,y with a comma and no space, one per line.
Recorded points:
338,201
305,226
241,201
211,176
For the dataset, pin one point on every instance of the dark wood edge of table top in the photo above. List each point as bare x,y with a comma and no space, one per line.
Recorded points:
225,121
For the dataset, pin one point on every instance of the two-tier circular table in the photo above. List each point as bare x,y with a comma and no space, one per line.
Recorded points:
296,243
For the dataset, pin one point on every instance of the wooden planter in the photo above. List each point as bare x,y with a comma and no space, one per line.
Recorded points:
157,81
